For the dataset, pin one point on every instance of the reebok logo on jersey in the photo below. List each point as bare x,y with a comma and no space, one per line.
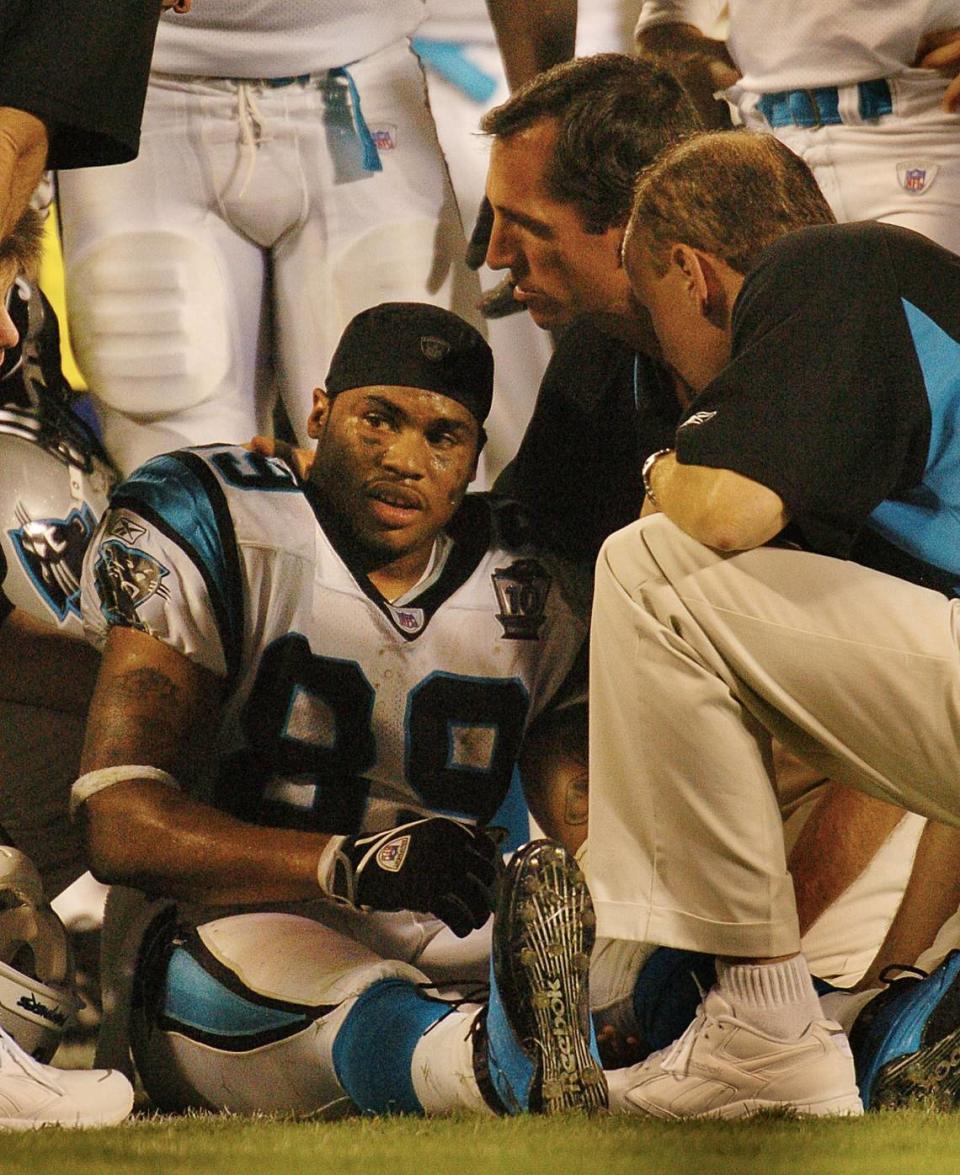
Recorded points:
393,854
916,176
127,530
698,418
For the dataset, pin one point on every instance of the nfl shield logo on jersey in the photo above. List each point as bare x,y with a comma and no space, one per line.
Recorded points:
917,176
522,590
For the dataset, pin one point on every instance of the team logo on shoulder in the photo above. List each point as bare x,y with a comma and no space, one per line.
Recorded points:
51,552
522,590
407,619
916,177
126,578
698,418
393,854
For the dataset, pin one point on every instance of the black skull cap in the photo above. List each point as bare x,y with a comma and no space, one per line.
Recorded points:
415,345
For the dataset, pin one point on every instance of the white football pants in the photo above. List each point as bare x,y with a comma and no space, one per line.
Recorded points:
864,168
224,262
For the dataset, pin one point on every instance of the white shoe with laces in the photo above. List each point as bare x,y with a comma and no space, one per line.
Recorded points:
722,1067
34,1095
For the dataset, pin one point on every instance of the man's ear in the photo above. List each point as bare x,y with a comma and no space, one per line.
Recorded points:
692,269
703,281
319,413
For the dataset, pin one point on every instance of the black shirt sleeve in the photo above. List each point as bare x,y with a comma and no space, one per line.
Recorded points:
600,411
81,66
823,398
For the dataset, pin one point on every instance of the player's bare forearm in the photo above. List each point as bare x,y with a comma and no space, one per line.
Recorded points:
533,35
23,153
718,507
701,63
837,843
553,766
931,897
149,836
153,707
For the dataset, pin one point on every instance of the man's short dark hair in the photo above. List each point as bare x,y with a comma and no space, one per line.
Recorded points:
615,114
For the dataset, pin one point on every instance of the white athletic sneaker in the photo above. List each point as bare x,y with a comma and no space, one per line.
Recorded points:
724,1068
33,1095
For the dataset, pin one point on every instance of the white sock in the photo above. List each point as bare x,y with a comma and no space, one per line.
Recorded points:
777,998
442,1066
846,1006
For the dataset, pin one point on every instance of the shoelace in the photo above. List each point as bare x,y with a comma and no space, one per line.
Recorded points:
675,1057
474,991
30,1067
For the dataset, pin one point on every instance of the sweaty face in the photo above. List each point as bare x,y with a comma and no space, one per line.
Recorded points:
560,270
393,464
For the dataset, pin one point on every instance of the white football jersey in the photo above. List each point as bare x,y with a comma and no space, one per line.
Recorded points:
278,38
342,711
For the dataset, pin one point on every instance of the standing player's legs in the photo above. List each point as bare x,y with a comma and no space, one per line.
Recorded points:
902,168
165,293
365,236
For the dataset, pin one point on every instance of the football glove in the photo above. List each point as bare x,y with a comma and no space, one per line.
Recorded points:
436,865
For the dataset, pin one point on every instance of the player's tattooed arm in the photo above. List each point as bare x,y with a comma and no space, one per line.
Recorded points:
154,708
553,764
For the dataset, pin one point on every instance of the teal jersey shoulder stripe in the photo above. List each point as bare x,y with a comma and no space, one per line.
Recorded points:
181,495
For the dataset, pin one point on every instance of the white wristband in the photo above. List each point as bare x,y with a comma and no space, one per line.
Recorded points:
88,785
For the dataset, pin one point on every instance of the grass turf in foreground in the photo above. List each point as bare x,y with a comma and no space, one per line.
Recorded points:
900,1142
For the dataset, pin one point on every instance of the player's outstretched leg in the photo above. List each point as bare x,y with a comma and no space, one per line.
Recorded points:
33,1095
906,1041
540,1056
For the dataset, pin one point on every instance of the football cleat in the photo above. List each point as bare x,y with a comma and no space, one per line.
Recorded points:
906,1041
34,1095
722,1067
539,1052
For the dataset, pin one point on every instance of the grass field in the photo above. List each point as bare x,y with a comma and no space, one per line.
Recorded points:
880,1144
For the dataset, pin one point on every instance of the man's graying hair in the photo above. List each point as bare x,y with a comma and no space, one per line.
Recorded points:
614,113
727,193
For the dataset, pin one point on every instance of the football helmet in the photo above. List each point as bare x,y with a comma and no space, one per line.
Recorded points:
36,966
54,476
